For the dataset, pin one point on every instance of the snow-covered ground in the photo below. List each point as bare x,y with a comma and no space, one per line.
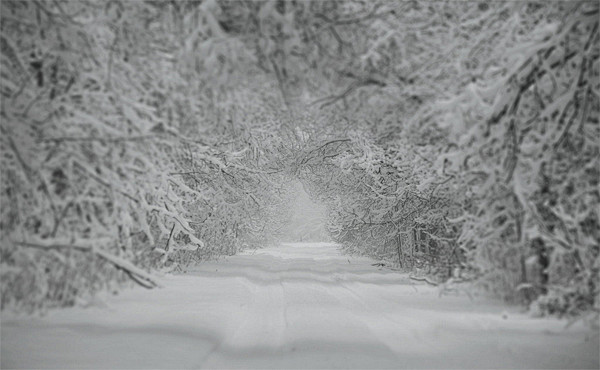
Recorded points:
293,306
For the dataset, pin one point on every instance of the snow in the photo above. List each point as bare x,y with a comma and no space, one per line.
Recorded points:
300,305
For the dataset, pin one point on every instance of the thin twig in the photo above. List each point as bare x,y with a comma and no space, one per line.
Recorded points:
424,279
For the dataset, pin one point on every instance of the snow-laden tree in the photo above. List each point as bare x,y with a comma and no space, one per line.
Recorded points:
528,155
116,153
490,106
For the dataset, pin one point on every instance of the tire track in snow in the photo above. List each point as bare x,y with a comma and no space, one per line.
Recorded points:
263,326
395,331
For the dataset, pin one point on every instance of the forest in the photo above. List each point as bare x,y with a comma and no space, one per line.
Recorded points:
456,141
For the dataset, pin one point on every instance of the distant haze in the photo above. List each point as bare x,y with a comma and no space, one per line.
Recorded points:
308,219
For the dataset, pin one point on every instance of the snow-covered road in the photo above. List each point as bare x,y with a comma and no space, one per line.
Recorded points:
293,306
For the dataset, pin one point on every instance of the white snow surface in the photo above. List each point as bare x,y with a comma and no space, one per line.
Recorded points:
301,305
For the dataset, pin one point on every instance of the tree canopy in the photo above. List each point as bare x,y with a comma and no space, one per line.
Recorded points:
454,139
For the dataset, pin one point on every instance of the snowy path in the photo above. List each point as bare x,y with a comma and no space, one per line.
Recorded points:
294,306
